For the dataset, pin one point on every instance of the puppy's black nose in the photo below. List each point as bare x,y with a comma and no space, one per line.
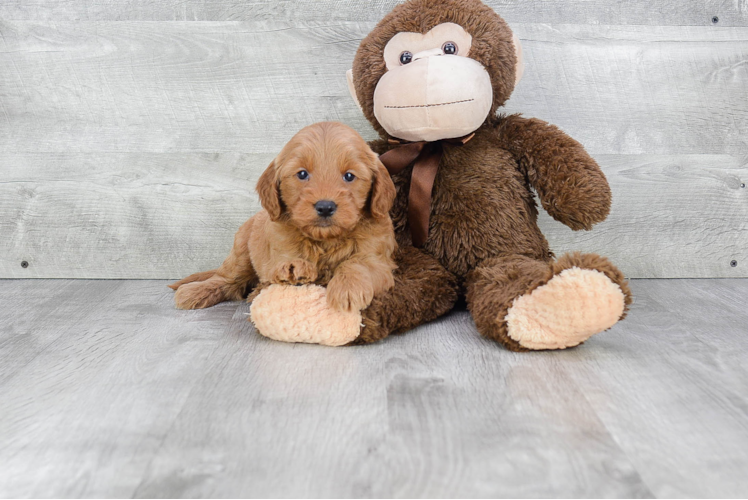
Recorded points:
325,208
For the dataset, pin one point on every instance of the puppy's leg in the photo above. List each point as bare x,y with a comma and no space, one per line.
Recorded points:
351,288
357,281
228,282
202,276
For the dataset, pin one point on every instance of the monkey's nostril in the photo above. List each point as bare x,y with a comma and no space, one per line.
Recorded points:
325,208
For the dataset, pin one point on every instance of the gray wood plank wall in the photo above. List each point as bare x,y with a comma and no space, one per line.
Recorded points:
132,133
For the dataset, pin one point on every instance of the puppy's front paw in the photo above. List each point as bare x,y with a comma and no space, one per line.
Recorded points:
294,272
349,294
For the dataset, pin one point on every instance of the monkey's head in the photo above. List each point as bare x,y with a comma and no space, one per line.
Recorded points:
435,69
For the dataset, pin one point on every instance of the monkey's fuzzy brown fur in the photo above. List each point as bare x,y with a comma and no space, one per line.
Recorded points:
484,239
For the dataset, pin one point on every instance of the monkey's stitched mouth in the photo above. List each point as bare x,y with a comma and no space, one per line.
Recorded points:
429,105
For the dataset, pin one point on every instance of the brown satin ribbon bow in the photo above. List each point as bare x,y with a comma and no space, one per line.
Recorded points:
426,156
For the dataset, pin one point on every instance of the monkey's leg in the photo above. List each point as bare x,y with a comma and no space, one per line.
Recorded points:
423,291
527,304
228,282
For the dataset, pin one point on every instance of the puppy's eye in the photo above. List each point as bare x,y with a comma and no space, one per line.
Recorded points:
450,48
349,177
303,175
406,57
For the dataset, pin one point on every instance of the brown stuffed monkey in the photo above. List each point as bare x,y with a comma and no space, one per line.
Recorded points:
430,78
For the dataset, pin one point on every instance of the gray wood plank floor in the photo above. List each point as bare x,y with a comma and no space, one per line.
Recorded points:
106,390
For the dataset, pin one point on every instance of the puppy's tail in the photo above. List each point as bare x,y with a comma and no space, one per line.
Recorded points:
195,277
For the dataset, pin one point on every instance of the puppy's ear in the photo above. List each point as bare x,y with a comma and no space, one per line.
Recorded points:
269,191
382,191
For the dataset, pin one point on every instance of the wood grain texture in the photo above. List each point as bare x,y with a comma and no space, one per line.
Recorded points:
130,149
34,317
168,215
247,87
123,215
639,90
307,415
469,420
642,12
170,87
137,399
673,216
681,369
84,417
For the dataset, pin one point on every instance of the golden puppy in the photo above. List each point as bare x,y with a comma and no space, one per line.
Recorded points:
326,200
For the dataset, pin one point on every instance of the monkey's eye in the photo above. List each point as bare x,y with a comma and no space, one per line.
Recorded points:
449,48
349,177
303,175
406,57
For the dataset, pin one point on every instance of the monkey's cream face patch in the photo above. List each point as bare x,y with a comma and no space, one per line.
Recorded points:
433,98
432,90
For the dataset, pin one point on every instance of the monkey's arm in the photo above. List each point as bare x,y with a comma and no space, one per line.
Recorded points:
570,184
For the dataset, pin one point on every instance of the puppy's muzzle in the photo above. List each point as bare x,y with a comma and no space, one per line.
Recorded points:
325,208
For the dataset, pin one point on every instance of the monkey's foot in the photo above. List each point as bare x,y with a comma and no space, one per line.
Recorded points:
573,306
301,314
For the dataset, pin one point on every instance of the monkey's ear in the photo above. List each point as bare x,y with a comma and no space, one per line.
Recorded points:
269,191
352,88
519,70
382,191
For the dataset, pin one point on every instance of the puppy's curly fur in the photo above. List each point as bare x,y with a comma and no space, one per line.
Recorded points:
289,242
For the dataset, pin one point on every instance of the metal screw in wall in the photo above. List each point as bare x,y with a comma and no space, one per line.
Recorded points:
743,185
24,264
734,263
715,20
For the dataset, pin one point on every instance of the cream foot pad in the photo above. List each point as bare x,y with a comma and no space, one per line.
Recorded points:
301,314
573,306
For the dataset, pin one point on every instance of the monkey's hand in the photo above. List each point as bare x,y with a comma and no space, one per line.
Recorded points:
570,185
